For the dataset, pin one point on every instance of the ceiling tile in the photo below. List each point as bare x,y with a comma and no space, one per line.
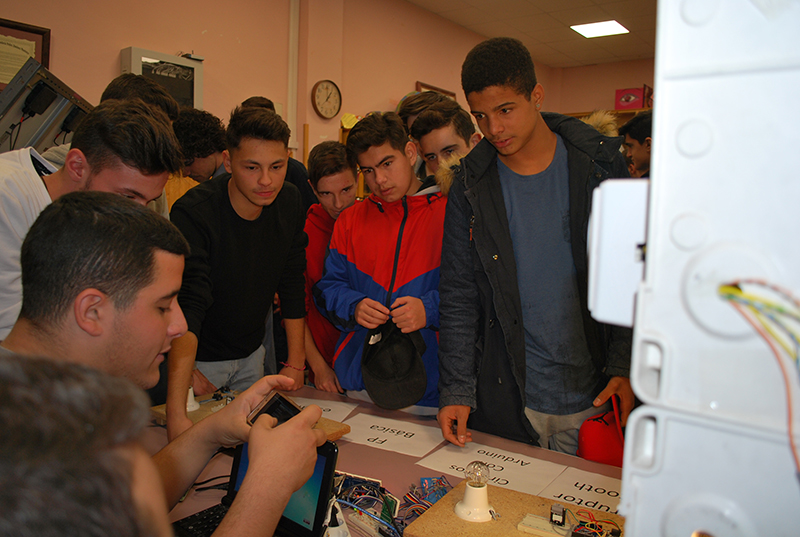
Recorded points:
561,33
438,6
535,22
638,23
581,15
497,29
630,8
557,5
503,9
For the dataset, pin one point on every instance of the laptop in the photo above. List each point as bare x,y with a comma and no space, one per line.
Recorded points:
304,515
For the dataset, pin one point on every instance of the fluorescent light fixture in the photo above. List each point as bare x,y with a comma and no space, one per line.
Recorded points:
600,29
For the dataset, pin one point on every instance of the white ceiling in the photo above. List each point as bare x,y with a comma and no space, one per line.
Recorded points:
544,26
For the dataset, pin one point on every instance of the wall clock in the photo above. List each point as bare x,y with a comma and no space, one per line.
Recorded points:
326,98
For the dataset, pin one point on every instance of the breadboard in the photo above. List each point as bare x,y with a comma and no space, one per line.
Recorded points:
512,506
540,526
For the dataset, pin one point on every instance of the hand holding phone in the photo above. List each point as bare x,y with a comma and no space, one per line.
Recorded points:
276,405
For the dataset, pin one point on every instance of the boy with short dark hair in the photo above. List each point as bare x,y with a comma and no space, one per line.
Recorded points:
246,233
202,138
443,131
125,147
101,276
383,262
409,108
637,132
332,174
520,355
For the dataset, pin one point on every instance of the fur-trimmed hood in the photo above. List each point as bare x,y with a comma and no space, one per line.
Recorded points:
446,172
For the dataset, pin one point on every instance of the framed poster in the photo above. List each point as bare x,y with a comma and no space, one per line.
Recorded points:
18,42
422,86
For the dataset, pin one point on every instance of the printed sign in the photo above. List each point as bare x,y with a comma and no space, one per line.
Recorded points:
585,489
333,410
506,468
393,435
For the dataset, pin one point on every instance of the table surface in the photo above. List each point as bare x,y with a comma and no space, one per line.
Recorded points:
397,471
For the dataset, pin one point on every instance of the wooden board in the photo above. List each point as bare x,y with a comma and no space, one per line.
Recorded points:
512,506
334,430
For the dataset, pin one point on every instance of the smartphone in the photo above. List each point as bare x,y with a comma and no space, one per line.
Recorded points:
276,405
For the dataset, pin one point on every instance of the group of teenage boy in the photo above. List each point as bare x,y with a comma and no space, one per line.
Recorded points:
480,254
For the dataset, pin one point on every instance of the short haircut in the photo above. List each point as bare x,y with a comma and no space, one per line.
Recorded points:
639,127
91,240
257,123
441,115
64,469
258,102
135,133
200,133
414,105
500,61
129,86
375,130
328,158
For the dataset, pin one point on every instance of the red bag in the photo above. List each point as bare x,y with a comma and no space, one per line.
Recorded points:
600,438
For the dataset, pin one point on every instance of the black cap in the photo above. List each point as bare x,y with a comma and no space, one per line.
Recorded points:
392,367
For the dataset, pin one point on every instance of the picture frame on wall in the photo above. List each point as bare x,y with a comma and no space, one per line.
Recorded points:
18,42
422,86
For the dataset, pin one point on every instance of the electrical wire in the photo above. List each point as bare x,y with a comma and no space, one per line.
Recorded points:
754,309
364,511
787,385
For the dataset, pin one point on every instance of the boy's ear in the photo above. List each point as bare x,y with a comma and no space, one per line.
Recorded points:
226,160
474,139
647,142
537,96
411,152
91,309
77,167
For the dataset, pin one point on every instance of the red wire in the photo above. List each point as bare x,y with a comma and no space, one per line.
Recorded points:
786,382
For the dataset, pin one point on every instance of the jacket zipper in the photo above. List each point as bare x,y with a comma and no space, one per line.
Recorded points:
471,224
397,252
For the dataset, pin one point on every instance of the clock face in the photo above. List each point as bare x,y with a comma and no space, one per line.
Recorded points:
327,99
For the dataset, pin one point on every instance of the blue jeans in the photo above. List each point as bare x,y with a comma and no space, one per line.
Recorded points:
560,433
236,374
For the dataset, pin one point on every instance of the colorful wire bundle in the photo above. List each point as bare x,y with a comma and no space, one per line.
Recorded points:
416,501
778,324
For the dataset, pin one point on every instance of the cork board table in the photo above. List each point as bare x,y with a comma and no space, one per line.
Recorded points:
512,507
333,429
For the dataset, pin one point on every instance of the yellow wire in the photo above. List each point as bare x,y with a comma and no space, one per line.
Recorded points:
731,290
764,321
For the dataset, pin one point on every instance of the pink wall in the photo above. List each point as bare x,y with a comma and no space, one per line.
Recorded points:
244,42
321,58
390,45
375,50
583,89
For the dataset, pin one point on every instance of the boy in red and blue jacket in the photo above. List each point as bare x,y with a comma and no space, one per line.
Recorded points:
385,250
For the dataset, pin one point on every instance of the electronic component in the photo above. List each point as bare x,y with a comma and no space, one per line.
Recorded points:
73,119
276,405
557,514
39,100
537,525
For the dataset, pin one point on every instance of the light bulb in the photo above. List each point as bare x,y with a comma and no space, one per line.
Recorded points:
477,474
475,507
